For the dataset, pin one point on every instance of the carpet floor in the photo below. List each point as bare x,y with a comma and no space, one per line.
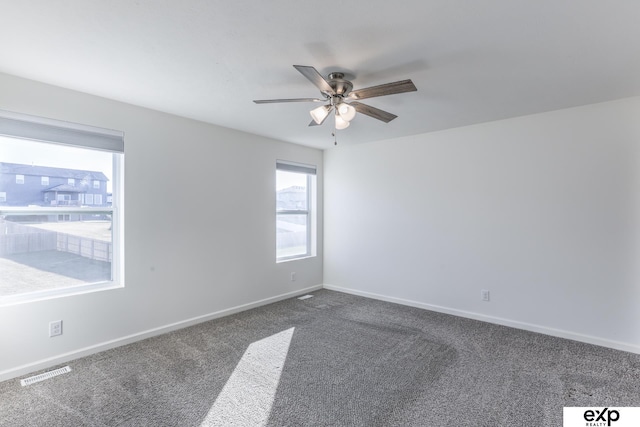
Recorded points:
331,360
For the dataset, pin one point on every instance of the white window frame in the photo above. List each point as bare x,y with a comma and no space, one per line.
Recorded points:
96,184
23,126
44,180
19,179
71,181
310,212
3,196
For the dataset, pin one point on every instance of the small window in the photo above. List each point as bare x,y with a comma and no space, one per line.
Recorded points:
295,200
96,184
71,181
44,180
19,179
3,196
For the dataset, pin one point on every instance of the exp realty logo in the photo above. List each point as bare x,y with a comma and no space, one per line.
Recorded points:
600,417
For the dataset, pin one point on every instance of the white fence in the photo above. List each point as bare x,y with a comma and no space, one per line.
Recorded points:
18,238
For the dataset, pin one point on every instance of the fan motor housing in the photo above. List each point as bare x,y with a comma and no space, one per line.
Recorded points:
338,83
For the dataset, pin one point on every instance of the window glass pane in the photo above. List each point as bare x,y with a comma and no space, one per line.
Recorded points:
293,214
291,235
45,250
291,191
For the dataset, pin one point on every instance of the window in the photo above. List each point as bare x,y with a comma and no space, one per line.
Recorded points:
50,244
44,180
3,196
88,199
19,179
97,199
295,219
96,184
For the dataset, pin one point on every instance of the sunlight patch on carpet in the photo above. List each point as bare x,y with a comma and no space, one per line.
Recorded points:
247,397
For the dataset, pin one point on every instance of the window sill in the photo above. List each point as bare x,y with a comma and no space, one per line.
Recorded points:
279,261
58,293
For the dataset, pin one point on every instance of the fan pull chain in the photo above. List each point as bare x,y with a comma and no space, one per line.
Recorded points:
335,140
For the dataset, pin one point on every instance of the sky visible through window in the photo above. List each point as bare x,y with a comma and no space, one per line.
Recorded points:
290,179
13,150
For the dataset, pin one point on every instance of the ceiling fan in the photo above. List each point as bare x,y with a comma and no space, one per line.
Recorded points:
336,91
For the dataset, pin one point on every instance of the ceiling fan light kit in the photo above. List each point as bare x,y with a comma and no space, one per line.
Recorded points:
320,114
347,112
341,123
336,91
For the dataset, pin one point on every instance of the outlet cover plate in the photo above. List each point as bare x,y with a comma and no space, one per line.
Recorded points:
55,328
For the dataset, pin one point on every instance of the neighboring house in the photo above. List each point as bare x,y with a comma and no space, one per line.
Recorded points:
292,198
27,185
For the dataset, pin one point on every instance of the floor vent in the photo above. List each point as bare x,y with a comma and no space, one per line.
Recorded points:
305,297
45,376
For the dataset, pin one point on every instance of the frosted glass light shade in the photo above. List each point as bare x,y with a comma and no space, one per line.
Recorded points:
341,123
319,114
347,112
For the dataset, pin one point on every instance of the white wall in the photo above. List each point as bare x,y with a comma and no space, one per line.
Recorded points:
199,229
541,210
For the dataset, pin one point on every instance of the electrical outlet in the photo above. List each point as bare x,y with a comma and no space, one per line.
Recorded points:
293,277
484,294
55,328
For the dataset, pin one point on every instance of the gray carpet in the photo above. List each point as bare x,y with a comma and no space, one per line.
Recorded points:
332,360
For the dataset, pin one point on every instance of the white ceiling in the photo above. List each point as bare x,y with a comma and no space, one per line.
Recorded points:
472,61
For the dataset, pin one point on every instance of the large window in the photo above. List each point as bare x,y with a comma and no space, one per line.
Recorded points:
295,203
52,243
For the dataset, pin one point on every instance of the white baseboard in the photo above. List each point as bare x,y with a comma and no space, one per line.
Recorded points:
86,351
496,320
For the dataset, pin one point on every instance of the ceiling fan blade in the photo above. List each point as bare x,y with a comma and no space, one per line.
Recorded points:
314,77
273,101
382,90
370,111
